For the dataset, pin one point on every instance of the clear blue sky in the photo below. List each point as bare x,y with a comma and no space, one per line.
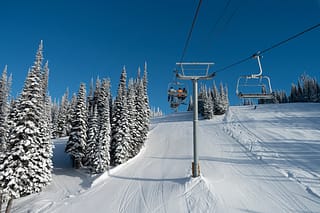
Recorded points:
85,39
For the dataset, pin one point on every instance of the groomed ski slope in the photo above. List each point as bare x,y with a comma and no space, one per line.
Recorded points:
263,160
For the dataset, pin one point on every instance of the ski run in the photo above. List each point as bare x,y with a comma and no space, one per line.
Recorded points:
251,160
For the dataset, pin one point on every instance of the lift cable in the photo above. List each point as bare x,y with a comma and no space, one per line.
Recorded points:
268,49
190,32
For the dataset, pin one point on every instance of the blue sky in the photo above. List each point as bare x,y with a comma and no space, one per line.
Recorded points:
85,39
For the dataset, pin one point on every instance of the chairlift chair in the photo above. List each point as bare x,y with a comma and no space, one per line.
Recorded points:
254,85
177,94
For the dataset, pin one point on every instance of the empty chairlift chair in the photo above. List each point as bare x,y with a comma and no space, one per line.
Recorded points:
255,85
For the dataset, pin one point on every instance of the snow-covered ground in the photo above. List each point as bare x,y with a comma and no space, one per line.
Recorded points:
263,160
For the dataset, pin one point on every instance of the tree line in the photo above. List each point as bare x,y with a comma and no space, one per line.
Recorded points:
102,131
307,89
211,101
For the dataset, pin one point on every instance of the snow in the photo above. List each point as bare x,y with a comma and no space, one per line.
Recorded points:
262,160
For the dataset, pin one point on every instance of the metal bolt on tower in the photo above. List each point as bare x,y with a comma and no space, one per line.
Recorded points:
194,76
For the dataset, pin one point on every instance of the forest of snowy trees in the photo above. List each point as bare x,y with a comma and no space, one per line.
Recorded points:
101,132
104,132
212,101
306,90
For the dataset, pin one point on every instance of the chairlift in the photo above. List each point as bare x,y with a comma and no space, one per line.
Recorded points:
177,94
254,85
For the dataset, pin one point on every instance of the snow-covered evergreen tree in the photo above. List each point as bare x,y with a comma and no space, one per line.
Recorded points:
146,99
76,144
70,112
92,121
133,125
5,84
25,167
141,113
201,99
61,128
120,128
207,111
224,99
45,122
92,135
54,117
101,158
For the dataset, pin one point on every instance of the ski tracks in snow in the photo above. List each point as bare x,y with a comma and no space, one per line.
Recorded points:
292,168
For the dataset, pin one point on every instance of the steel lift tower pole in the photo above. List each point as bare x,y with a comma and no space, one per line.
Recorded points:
194,78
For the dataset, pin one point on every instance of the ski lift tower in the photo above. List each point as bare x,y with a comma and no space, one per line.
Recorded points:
195,71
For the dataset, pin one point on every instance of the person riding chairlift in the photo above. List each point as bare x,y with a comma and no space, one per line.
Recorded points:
182,93
171,93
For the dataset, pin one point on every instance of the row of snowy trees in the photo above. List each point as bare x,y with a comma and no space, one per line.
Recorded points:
212,101
26,148
306,90
104,132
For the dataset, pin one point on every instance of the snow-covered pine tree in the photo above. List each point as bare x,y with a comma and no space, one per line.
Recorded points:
54,117
76,144
293,94
61,129
146,99
207,105
46,145
215,97
221,101
90,98
70,112
101,158
23,166
5,84
92,121
201,99
91,135
300,92
120,127
140,108
132,114
224,98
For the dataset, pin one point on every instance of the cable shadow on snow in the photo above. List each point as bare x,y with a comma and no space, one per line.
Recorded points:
179,180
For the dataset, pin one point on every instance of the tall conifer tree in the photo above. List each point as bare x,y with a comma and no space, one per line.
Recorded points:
76,144
26,167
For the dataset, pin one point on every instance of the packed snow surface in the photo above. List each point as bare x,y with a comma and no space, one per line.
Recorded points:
251,160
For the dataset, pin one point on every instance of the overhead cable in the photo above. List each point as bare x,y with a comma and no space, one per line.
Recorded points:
190,31
270,48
